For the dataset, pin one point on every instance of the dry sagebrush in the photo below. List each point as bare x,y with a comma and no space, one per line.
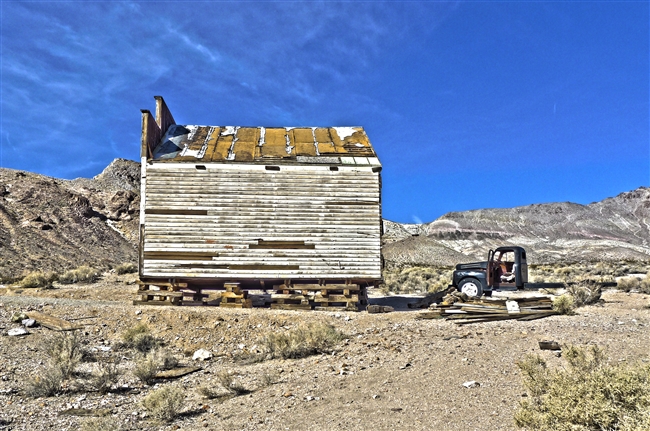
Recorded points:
587,395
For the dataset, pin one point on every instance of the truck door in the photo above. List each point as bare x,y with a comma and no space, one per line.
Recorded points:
521,272
490,268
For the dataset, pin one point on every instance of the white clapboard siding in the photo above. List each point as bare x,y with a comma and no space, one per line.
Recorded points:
237,220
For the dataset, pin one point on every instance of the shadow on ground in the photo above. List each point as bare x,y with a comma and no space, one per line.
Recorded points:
398,302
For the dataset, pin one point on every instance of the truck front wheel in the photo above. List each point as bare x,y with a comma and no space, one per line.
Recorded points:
471,287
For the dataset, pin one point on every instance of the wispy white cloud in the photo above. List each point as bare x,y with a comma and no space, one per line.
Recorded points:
73,83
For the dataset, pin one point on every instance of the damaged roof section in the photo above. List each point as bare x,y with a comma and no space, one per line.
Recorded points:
328,145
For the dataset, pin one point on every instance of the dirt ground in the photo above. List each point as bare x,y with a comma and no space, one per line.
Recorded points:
393,372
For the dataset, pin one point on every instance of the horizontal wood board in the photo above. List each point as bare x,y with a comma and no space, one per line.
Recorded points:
305,222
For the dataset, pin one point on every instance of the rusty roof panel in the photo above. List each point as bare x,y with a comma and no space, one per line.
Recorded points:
303,135
305,149
191,143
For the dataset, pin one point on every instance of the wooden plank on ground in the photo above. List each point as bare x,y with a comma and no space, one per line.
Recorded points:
176,372
51,322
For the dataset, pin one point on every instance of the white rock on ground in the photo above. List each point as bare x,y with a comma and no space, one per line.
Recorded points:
16,332
202,355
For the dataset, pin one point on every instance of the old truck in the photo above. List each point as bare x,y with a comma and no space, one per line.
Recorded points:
505,269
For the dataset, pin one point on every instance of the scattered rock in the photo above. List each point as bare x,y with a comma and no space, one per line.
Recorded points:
202,355
29,323
471,384
17,332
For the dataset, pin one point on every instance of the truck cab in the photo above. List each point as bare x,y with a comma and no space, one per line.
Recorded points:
505,269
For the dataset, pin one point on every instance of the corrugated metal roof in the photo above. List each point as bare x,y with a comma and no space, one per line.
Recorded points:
311,145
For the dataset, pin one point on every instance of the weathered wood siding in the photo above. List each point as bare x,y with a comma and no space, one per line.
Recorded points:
247,221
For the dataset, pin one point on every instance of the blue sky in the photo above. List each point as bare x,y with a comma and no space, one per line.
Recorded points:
468,104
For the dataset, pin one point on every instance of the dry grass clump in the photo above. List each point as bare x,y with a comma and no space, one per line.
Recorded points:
302,341
65,352
101,424
564,304
209,392
164,404
38,279
83,274
149,365
105,375
228,382
47,383
146,369
628,284
165,359
139,338
416,279
602,272
585,293
586,395
126,268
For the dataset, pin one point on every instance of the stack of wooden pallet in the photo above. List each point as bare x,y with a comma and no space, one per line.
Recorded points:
165,293
234,297
329,297
490,310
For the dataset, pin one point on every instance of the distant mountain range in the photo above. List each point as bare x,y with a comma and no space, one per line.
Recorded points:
52,225
614,229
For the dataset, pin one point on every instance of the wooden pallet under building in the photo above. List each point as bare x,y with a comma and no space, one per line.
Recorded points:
287,296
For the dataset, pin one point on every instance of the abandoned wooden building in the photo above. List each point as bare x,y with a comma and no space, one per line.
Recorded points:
294,211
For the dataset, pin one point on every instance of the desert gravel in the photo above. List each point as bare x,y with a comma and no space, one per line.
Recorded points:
392,372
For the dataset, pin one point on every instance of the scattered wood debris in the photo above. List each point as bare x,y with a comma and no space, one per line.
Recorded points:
51,322
549,345
463,311
176,372
379,309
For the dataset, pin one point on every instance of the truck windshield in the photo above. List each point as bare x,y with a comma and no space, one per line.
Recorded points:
505,256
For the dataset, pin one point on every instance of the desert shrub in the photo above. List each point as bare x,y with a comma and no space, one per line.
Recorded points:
585,293
165,359
46,384
101,424
126,268
149,365
587,395
83,274
144,342
644,285
209,392
139,338
146,369
416,278
105,375
164,404
268,379
227,381
627,284
564,304
65,352
302,341
38,279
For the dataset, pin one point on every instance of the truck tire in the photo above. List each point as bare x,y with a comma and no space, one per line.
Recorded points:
471,287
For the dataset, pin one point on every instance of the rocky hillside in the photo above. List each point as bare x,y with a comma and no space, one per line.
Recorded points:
53,225
614,229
